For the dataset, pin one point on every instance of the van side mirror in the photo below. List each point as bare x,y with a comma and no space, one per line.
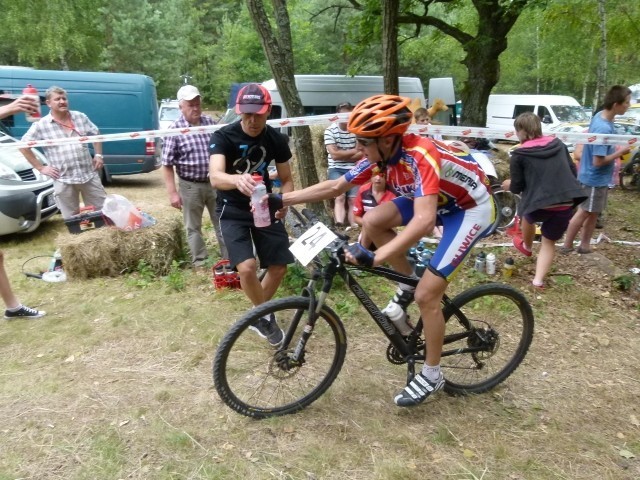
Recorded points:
547,119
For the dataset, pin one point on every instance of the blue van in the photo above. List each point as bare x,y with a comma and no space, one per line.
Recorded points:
115,102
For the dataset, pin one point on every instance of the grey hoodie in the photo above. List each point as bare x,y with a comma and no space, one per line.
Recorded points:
544,175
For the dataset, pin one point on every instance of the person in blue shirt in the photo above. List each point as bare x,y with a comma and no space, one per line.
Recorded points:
596,167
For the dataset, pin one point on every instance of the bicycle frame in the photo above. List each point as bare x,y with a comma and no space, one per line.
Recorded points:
405,346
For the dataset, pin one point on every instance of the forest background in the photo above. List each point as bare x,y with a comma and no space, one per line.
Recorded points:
555,46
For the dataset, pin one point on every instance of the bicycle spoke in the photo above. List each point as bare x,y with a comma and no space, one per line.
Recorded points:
258,380
498,321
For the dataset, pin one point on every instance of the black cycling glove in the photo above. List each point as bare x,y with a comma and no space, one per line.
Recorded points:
361,254
275,202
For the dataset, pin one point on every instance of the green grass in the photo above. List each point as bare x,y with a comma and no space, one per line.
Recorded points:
115,382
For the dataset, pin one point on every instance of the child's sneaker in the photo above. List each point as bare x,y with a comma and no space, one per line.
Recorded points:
24,312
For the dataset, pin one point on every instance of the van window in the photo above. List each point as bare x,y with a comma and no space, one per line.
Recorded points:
169,114
110,112
318,110
276,112
544,115
570,113
521,109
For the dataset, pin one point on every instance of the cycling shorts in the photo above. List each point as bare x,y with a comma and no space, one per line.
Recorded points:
462,229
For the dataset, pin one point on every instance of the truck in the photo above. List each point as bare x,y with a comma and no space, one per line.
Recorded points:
115,102
552,110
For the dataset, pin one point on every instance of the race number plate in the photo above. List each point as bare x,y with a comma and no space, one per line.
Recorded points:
311,242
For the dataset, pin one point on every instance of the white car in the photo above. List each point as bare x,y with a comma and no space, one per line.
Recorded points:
26,196
168,113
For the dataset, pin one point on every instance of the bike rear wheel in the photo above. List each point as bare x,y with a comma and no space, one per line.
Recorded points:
498,319
260,381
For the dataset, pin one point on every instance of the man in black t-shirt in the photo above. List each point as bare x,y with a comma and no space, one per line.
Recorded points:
237,151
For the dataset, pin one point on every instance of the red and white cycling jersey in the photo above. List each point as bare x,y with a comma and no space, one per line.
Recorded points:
425,167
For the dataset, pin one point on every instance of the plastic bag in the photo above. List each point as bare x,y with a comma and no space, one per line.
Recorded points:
122,212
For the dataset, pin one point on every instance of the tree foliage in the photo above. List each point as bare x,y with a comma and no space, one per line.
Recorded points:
551,46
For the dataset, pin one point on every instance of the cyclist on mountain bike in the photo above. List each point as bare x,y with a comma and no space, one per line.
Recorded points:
431,183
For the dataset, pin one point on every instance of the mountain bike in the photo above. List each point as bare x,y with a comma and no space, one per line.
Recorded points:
489,329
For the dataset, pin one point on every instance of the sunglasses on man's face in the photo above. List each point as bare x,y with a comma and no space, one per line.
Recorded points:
364,141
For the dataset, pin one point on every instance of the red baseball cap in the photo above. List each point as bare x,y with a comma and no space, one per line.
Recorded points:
253,98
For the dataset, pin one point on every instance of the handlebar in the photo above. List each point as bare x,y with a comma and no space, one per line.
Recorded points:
309,215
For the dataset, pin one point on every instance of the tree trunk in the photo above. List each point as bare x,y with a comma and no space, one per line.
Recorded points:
602,54
495,20
390,46
277,46
483,69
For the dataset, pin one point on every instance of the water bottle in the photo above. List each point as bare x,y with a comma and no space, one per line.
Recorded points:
399,318
480,262
425,256
56,262
32,92
491,264
508,267
261,216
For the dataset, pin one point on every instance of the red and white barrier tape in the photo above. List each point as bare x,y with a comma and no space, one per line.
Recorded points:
492,133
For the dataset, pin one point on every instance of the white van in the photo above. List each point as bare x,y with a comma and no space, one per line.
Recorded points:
320,94
552,109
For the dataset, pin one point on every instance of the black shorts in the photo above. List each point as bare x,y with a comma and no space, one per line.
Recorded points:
554,221
240,235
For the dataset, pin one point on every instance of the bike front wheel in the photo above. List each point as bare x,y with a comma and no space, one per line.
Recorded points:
259,380
494,324
506,209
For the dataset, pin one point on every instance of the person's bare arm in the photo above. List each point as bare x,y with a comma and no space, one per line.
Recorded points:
35,163
342,155
286,179
315,193
600,161
227,181
170,183
98,159
22,104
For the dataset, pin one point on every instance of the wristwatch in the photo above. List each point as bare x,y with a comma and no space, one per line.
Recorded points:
98,155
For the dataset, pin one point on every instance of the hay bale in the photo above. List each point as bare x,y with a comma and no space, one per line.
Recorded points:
108,252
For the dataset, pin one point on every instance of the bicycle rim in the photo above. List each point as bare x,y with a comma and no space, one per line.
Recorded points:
507,208
260,381
498,318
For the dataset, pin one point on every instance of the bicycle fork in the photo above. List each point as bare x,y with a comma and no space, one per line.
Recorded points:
315,306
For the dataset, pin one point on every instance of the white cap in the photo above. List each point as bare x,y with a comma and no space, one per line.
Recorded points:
188,92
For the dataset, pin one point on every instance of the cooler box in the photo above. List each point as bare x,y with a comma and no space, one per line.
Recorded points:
87,220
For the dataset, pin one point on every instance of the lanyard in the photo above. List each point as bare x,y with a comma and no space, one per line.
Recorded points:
71,127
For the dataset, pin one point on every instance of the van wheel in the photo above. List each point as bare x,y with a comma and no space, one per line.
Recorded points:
105,177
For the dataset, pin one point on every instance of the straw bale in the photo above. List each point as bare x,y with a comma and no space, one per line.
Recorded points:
109,252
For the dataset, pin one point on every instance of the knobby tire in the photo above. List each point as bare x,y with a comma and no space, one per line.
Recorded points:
492,309
248,373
